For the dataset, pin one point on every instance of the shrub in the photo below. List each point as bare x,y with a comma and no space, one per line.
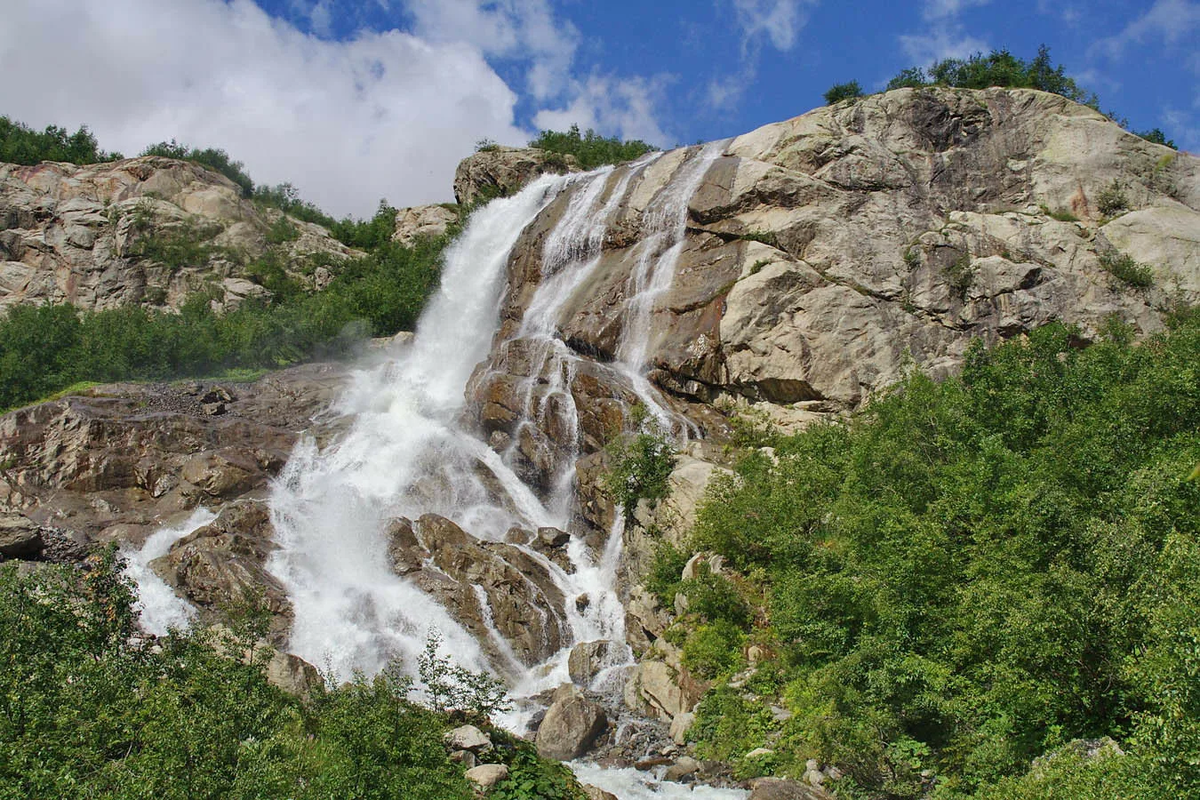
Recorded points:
590,149
20,144
639,464
1124,268
842,91
1111,199
958,575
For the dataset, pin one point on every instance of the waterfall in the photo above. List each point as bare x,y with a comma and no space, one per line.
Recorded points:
407,453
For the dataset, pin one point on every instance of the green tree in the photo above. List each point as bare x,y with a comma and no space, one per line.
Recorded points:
842,91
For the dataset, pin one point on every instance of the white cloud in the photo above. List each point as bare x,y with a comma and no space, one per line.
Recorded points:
780,20
1170,21
518,29
611,105
949,42
944,9
382,115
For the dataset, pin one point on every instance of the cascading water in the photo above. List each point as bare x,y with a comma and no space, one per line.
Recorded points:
406,452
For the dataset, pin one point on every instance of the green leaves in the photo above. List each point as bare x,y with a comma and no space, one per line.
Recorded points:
959,575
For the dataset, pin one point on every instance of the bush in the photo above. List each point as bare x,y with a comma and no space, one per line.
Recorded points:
640,464
20,144
590,150
1111,200
842,91
1123,267
972,573
87,710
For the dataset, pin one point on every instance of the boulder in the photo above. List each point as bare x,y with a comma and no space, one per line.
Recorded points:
587,659
571,725
680,725
20,537
485,776
662,690
293,674
596,793
468,737
683,768
784,789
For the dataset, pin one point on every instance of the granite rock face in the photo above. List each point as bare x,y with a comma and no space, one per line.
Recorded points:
145,230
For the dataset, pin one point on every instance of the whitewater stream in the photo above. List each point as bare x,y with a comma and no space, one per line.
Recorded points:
406,453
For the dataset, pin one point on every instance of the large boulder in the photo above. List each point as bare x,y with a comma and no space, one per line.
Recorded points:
571,725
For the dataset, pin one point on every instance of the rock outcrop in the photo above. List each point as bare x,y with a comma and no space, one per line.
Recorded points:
416,222
145,230
499,171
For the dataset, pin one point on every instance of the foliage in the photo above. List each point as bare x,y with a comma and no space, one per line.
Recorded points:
529,777
1111,200
87,710
213,158
1156,136
47,348
842,91
639,464
590,149
286,198
1124,268
184,244
453,687
972,573
1002,68
20,144
1062,215
960,274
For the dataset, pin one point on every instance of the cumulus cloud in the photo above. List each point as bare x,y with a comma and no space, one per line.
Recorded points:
380,115
524,29
950,42
779,20
943,9
1170,21
624,107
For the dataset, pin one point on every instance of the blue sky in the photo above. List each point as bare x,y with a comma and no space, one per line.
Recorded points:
354,101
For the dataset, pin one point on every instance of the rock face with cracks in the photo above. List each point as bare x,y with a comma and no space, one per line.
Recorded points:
98,236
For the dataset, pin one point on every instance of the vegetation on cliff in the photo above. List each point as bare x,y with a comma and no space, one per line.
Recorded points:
590,149
44,349
20,144
996,68
88,709
966,576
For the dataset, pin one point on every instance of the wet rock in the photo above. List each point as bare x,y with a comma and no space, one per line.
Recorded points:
571,725
596,793
682,769
453,566
224,564
485,776
587,659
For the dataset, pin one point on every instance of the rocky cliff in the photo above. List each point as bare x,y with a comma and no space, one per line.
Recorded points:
816,260
145,230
